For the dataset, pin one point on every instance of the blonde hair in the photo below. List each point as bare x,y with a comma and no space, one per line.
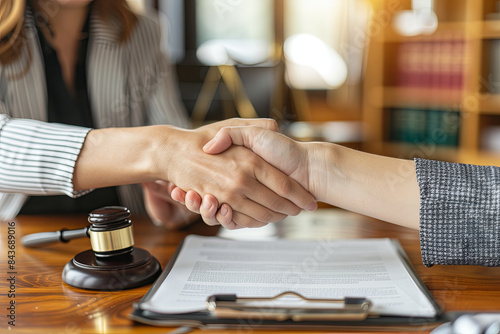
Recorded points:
12,19
11,23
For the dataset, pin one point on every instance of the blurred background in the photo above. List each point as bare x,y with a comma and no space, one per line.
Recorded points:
403,78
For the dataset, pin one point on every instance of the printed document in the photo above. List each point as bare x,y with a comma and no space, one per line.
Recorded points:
369,268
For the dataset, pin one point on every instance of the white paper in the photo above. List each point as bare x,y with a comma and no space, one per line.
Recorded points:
369,268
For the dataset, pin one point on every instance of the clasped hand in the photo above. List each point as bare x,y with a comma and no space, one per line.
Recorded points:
252,191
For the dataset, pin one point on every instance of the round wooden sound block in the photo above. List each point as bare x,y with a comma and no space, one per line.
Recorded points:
86,271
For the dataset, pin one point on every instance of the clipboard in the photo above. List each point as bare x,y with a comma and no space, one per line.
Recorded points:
234,307
354,314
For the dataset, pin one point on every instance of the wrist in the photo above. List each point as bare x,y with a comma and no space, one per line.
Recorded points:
117,156
323,169
164,144
172,153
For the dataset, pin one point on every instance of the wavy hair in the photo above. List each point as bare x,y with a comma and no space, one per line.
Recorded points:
12,18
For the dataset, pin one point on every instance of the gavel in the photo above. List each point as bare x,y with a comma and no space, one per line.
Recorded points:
113,263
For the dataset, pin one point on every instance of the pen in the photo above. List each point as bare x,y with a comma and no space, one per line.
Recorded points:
181,330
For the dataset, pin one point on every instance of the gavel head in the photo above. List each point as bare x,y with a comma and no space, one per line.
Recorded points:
111,231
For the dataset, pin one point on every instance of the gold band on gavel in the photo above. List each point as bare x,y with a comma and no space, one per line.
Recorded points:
111,240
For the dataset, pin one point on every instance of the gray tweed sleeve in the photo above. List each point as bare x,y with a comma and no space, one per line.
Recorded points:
459,213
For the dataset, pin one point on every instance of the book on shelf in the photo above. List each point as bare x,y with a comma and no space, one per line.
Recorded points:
493,80
431,126
494,77
436,66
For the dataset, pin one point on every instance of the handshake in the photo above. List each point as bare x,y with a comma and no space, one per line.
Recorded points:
237,173
244,173
264,177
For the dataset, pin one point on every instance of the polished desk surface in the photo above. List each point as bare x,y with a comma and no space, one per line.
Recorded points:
44,304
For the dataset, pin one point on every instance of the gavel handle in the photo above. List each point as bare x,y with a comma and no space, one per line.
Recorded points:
43,238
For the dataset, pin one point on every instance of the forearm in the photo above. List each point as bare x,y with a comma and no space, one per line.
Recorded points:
376,186
117,156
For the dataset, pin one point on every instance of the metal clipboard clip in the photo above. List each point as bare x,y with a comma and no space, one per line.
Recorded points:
231,306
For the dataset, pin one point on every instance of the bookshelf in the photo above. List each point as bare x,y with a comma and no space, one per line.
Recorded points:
435,96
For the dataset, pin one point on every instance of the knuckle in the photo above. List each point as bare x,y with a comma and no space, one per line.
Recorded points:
240,183
207,214
252,223
292,210
259,224
210,222
295,211
272,124
251,159
242,220
277,217
230,194
278,205
284,206
230,225
192,207
286,187
267,216
224,130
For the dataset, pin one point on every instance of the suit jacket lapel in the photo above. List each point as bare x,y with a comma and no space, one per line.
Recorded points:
107,73
27,94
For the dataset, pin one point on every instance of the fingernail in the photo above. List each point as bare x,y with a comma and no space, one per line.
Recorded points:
312,207
209,144
223,210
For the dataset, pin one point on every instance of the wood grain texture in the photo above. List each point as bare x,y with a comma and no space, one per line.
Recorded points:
45,304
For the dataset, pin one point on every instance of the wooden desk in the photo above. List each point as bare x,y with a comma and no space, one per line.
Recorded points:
44,304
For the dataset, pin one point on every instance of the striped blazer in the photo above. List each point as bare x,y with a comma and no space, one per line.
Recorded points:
130,84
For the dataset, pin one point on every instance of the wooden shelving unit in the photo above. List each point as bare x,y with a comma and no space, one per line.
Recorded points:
477,106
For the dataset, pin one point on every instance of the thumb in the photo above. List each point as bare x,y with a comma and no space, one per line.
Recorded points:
218,144
237,135
278,150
